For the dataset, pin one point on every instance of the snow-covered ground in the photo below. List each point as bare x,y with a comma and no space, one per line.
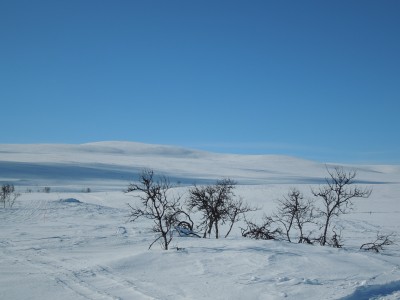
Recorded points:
54,247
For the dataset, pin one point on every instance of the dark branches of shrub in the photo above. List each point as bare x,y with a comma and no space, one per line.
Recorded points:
155,203
218,205
261,231
337,195
380,241
8,195
295,212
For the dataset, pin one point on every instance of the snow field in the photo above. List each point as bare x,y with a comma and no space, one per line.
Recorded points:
87,250
54,247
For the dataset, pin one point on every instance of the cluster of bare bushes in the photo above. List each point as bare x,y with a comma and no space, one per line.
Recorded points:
218,205
294,213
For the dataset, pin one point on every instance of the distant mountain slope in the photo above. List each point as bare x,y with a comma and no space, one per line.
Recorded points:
116,163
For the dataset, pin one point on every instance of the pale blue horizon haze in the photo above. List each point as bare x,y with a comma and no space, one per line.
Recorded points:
312,79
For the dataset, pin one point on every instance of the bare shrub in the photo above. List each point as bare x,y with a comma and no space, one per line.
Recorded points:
336,240
380,241
337,195
8,196
218,205
236,211
261,231
157,205
295,212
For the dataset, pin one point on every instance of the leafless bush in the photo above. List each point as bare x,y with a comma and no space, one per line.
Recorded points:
8,196
157,205
86,190
295,212
236,210
337,195
218,205
261,231
380,241
336,240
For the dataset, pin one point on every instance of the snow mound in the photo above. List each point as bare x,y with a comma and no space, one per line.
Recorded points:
70,200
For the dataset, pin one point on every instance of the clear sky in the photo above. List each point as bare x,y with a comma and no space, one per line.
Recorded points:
314,79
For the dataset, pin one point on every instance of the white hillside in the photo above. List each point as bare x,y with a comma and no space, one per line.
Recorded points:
115,163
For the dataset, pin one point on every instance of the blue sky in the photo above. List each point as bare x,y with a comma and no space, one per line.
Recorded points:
315,79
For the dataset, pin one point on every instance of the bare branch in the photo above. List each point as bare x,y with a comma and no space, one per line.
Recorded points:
262,231
380,241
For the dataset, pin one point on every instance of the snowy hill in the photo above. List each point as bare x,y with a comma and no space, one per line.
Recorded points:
67,244
113,164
